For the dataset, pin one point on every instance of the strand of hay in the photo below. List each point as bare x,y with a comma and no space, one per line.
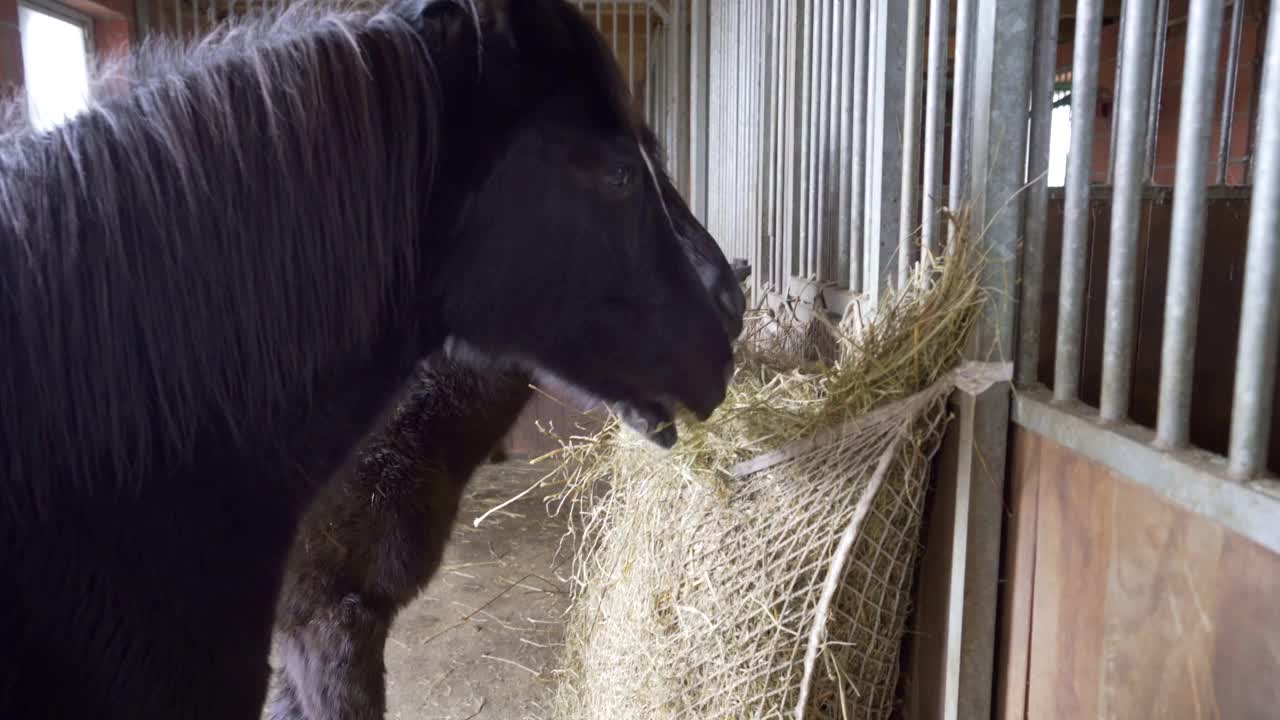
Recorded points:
763,567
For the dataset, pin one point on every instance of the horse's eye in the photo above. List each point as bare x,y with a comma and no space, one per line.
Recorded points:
619,176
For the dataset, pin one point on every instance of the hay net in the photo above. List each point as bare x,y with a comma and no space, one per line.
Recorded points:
763,568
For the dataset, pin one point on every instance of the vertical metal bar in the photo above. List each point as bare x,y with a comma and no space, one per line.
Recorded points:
614,42
910,190
1186,235
1260,43
844,159
961,112
1126,205
1256,357
1229,92
806,133
885,146
1115,102
1003,34
735,159
791,262
631,47
680,160
777,63
1075,223
699,77
870,230
648,59
1037,208
822,112
935,106
831,158
1157,89
858,145
177,17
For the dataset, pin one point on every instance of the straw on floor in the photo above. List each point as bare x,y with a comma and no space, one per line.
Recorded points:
763,568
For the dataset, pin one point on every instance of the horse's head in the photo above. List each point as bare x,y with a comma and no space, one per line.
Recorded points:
572,252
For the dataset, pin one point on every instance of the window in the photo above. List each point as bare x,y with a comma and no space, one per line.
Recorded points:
55,61
1059,136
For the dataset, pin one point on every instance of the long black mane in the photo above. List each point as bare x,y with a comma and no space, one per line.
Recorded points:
214,179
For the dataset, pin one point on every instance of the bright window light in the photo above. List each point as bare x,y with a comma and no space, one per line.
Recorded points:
55,61
1059,145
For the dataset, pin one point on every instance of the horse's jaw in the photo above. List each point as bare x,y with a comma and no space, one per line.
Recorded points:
654,420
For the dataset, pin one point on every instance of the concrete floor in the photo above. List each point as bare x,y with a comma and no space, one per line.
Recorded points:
482,640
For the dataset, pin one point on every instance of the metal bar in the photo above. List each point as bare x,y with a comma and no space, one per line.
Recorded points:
857,145
1115,103
631,48
822,111
831,159
680,161
961,101
774,174
844,123
1075,222
1186,234
1157,89
791,250
1229,92
1260,43
1192,479
870,231
909,192
1122,263
806,138
699,77
1002,62
1256,357
1037,208
885,146
934,117
613,27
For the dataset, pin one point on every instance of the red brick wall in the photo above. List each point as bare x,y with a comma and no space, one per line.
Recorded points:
1171,96
10,46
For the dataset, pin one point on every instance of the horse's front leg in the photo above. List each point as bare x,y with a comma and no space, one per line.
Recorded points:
332,667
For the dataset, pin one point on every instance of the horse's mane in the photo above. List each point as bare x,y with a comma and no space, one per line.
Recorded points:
305,140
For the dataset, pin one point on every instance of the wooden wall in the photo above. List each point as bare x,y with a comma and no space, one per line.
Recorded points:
1117,604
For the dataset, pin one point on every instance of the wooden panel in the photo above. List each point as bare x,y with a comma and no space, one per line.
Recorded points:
1138,608
1017,575
1073,539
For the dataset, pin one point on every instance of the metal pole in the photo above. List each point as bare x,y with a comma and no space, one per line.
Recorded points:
909,192
935,106
1075,223
961,110
1229,92
844,159
808,75
1115,102
1256,357
791,261
1003,59
1042,79
1122,264
822,265
777,63
858,145
885,146
1157,89
1186,236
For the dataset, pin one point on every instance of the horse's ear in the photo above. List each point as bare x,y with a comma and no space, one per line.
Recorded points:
537,28
440,22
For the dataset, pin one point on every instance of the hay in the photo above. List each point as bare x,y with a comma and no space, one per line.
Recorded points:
763,567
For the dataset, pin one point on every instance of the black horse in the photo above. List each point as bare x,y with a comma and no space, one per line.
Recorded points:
375,536
212,285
